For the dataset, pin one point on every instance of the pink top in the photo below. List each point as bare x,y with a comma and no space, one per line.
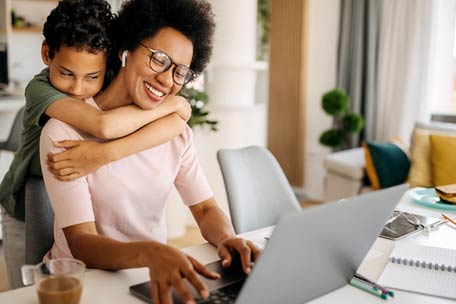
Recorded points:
125,198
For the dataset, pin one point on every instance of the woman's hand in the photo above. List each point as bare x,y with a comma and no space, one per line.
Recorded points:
168,267
247,251
80,159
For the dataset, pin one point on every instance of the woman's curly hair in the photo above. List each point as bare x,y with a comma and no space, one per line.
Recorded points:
84,24
142,19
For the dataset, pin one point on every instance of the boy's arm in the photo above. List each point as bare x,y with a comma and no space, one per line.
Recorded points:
84,157
43,101
113,123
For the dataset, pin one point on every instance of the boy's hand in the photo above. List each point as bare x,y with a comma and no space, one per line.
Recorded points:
80,159
180,105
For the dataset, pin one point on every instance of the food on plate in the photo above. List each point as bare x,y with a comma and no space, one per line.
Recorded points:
447,193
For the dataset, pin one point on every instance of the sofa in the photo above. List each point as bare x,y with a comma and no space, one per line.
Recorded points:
346,170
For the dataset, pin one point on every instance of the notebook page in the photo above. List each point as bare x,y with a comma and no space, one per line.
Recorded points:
417,279
425,253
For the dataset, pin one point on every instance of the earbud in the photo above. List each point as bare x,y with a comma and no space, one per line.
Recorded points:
124,58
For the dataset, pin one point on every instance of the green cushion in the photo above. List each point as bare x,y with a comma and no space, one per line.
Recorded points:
387,164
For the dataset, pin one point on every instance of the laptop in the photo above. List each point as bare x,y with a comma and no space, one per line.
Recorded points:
310,253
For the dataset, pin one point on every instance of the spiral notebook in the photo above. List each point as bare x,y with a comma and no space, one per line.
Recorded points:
421,269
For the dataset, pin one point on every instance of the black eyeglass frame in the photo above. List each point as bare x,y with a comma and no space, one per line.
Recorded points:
171,63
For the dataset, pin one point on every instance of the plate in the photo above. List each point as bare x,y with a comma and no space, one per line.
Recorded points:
426,197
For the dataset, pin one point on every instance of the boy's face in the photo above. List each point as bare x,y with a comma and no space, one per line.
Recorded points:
77,73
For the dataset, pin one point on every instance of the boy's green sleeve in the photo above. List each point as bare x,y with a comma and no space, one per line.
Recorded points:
39,95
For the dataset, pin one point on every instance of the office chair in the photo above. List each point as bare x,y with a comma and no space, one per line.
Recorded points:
14,138
8,147
39,221
257,189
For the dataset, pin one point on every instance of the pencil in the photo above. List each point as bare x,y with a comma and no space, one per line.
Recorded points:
367,288
449,219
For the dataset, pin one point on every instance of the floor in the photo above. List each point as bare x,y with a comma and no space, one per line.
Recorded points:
192,237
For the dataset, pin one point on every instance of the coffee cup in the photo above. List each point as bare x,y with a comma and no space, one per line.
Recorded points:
56,281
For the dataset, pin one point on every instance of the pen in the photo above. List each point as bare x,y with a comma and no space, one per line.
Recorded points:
448,218
383,289
367,288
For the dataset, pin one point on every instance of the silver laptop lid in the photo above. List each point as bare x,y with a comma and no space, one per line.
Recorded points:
319,249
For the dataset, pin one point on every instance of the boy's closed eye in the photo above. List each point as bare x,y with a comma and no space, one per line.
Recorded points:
66,74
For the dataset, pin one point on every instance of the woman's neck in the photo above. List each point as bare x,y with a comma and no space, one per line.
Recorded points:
115,95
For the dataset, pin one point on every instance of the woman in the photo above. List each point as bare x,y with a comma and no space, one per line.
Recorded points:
114,218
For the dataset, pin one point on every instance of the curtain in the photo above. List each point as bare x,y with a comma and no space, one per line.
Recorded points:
413,70
356,72
403,60
395,62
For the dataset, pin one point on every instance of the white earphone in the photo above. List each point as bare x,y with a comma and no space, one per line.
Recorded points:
124,58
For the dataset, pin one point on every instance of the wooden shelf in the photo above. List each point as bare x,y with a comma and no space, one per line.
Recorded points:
35,1
28,29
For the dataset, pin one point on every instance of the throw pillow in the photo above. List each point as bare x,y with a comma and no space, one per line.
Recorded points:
443,159
387,164
420,174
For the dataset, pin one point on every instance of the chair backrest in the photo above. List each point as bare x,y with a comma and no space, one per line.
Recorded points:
39,221
257,189
14,138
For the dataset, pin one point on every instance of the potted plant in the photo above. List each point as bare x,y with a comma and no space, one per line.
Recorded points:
198,100
346,123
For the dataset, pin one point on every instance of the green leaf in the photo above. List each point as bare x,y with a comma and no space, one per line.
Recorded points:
199,115
332,138
335,102
352,122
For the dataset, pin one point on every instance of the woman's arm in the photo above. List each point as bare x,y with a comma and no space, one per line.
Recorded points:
84,157
167,266
217,229
117,122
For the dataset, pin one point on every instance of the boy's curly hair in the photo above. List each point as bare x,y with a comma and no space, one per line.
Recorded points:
141,19
84,24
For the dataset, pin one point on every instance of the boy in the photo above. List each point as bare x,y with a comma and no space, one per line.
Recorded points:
76,46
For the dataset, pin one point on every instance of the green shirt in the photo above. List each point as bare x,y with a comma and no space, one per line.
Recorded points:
39,95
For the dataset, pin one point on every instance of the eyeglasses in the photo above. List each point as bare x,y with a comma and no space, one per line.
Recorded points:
160,62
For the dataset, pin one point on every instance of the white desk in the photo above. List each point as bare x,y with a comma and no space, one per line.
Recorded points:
112,287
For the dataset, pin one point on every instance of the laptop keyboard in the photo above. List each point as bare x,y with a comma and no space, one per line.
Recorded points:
224,295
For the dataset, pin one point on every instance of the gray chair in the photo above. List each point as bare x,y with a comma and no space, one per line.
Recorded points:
8,147
39,220
14,138
257,189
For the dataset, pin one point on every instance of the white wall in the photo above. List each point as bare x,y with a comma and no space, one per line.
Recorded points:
321,76
25,47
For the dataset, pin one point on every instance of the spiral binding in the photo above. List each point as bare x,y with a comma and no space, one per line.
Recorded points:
423,264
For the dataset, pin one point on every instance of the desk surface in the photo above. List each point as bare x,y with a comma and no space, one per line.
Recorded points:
112,287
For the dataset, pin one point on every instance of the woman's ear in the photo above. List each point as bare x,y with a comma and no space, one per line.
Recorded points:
45,53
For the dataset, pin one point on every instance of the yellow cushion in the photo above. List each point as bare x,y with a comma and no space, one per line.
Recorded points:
443,158
420,174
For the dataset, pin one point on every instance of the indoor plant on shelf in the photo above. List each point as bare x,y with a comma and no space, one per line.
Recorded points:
346,123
